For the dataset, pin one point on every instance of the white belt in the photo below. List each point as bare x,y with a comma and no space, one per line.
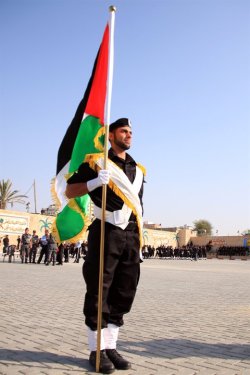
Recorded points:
119,218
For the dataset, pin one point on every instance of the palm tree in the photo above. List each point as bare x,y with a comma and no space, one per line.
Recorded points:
176,238
45,224
145,236
7,195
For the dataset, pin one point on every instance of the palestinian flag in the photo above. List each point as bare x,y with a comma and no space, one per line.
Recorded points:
85,135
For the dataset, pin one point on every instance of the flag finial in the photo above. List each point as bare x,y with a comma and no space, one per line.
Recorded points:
112,8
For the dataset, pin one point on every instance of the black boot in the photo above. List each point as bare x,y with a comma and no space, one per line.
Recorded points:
119,362
106,366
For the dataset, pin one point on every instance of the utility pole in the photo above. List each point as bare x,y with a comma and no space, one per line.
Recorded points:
34,185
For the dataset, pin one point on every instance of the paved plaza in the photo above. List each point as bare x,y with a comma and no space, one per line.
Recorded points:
188,318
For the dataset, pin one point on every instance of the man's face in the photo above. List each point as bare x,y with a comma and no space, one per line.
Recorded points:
121,137
27,231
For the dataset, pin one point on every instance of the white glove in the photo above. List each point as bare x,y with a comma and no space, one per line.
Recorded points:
102,179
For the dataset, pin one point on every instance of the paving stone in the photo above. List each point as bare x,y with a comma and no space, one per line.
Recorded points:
188,318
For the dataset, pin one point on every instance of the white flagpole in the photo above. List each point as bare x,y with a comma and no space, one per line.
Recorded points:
112,10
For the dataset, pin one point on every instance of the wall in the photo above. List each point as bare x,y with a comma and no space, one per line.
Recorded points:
14,223
219,240
156,237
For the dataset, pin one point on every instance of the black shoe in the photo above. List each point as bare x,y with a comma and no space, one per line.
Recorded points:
119,362
106,366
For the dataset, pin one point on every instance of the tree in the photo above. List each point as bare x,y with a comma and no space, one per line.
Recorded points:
45,224
203,227
7,195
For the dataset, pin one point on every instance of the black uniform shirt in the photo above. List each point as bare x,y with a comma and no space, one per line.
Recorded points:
26,239
85,173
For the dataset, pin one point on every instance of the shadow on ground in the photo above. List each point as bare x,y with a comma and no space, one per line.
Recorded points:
179,348
159,348
37,358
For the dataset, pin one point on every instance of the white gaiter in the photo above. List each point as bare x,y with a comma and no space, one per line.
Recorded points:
92,340
110,335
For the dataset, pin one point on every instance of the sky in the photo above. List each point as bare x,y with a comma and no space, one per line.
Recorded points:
182,76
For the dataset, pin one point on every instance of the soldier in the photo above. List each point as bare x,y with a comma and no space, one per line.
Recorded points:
11,252
52,249
60,254
6,242
66,252
44,243
122,241
18,242
33,251
25,245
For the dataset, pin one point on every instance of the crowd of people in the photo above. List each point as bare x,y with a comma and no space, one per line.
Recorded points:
233,251
169,252
44,249
32,249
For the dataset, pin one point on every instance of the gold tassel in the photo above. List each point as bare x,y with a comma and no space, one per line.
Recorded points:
54,194
143,169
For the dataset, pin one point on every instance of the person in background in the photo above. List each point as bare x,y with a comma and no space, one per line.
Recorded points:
6,242
11,252
77,252
18,243
44,244
52,249
34,246
25,245
60,254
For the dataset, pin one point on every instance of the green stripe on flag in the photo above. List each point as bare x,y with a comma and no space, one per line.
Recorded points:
90,140
84,143
76,218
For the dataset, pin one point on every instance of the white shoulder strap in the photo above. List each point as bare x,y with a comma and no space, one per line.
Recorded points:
121,185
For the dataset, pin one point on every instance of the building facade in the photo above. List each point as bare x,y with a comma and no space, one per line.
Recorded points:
13,223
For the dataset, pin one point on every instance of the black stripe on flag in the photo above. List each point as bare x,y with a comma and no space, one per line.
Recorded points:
66,147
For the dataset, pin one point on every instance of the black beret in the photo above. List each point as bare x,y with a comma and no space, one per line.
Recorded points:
119,123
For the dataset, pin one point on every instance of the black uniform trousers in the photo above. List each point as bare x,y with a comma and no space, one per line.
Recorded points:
59,256
44,251
32,254
120,276
51,256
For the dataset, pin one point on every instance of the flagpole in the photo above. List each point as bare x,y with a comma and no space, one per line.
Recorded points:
112,10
